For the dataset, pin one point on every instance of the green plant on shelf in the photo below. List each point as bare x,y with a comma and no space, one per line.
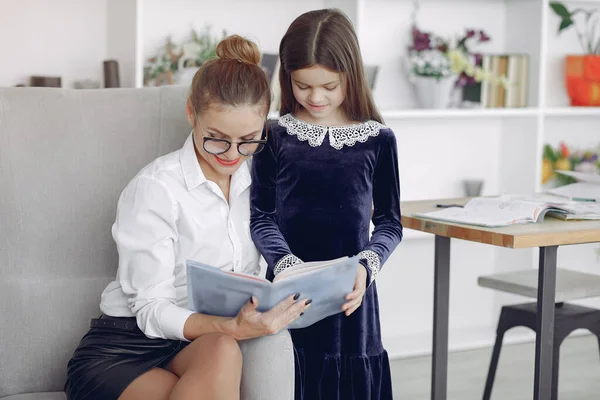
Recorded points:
200,48
585,22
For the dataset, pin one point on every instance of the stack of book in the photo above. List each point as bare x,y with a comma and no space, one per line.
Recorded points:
490,94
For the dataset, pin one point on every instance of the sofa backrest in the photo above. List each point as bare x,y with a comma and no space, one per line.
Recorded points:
65,157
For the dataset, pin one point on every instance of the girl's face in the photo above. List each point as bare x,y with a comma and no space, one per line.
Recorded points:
233,124
320,91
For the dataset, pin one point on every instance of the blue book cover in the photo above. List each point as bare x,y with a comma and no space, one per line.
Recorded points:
213,291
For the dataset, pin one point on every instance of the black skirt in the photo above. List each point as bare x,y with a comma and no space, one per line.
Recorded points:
109,358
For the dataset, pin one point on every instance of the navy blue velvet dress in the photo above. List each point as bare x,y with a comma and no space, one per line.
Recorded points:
311,199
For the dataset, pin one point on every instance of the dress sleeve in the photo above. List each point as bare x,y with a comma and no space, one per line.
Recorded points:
263,222
145,232
386,212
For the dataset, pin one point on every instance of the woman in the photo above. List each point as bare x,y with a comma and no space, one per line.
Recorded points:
190,204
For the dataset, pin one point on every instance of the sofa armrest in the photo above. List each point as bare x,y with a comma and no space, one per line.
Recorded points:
268,368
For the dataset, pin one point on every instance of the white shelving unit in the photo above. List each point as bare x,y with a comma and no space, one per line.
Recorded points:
438,149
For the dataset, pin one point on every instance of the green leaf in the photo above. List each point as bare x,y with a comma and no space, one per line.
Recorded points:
549,154
560,9
564,24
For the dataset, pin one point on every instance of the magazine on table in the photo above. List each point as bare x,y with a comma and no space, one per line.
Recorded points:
509,210
213,291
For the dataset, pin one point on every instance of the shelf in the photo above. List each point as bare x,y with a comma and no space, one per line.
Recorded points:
572,111
460,113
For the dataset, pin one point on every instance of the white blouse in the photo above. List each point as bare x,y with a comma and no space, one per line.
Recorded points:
167,214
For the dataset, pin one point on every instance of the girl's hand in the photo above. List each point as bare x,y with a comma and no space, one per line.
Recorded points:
250,323
355,298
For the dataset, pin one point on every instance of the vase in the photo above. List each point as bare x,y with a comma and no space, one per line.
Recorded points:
582,79
432,92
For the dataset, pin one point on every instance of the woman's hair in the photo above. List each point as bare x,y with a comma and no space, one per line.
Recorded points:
326,38
233,78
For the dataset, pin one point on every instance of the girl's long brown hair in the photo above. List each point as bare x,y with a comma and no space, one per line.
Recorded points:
326,38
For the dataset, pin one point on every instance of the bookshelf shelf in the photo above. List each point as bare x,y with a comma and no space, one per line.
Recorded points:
572,111
460,113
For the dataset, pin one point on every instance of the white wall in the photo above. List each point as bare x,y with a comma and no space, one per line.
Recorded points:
121,38
64,38
264,21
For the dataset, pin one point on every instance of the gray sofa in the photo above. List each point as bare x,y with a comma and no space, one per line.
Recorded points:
65,156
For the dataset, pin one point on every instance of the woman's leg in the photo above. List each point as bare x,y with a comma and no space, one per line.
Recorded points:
156,384
209,367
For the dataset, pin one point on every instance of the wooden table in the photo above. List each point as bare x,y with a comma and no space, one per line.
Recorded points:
547,235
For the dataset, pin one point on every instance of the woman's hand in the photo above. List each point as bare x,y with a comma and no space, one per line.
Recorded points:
355,298
250,323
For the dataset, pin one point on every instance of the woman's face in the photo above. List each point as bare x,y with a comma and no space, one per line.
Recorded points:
234,124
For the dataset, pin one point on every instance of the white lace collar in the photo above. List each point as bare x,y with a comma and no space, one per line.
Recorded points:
338,135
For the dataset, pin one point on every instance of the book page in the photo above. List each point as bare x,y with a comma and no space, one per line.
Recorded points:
512,207
583,210
493,211
306,267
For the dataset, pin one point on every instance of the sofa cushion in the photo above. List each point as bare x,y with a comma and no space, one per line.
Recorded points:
38,396
65,156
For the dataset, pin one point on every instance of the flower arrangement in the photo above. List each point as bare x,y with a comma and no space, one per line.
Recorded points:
565,159
588,36
432,56
173,57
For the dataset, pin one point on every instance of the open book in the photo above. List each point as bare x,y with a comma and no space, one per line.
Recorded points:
586,189
213,291
512,210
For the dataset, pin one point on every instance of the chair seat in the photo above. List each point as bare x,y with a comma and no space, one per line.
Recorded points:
570,285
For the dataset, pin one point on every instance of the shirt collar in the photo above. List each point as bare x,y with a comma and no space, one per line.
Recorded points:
192,173
194,177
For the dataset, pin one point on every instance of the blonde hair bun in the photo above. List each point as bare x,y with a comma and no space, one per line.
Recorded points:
237,48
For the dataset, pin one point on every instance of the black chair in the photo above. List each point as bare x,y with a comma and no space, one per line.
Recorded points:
570,285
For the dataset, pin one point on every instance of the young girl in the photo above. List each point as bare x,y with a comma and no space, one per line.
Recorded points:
189,204
327,161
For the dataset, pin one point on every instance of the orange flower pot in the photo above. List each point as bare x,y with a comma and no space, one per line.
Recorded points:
582,79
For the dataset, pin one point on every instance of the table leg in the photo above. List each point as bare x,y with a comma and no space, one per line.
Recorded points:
542,385
441,300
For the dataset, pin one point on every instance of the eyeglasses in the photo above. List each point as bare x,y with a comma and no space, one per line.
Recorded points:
219,146
246,148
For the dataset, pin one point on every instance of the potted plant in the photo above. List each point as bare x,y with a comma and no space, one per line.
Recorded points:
430,69
582,72
177,64
436,67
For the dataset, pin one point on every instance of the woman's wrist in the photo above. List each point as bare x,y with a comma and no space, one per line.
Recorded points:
229,326
200,324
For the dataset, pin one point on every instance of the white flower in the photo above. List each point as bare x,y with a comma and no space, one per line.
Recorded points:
430,63
586,167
